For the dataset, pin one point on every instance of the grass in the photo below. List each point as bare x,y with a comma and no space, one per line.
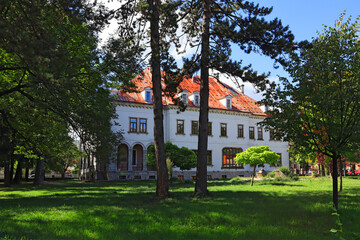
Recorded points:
129,210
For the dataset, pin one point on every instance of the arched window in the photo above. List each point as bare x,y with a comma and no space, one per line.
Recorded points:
137,158
122,158
228,158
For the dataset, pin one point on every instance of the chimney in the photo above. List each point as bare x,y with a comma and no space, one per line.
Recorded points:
242,88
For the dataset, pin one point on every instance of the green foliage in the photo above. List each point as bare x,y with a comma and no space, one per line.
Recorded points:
271,174
286,171
183,158
339,225
257,155
326,122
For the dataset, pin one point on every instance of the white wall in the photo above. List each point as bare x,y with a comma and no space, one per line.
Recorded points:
215,144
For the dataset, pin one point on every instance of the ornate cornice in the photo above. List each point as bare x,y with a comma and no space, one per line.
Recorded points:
193,109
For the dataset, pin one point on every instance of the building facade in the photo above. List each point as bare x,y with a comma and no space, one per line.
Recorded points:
233,119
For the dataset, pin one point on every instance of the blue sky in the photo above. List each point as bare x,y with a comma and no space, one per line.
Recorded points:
305,18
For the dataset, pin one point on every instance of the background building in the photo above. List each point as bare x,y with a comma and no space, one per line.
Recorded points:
233,119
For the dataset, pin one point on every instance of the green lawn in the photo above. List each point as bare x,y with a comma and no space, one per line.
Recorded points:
129,210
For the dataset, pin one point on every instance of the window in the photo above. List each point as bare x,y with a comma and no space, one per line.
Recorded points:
180,126
148,96
251,133
133,124
142,125
184,98
228,103
228,155
240,131
197,100
223,130
260,133
209,128
194,127
134,157
208,157
279,163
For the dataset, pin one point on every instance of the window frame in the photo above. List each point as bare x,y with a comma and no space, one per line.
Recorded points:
260,133
196,100
141,129
228,103
178,124
240,131
228,156
223,130
209,128
133,129
148,96
194,127
252,132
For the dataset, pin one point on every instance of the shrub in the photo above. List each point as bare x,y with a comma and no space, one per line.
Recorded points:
271,174
286,171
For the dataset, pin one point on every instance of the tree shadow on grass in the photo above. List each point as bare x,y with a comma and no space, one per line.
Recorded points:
104,213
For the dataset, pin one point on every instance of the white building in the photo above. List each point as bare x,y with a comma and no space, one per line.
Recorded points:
233,119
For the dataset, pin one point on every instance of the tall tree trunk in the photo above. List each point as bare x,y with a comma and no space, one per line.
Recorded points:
27,169
7,178
18,173
253,176
201,170
335,180
4,153
11,171
39,172
341,174
323,170
162,186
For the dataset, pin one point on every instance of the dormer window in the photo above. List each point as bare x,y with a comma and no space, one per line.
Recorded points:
147,94
183,96
227,101
196,100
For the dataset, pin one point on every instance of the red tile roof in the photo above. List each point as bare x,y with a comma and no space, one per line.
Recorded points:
217,91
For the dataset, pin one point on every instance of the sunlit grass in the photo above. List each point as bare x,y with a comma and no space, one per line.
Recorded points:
130,210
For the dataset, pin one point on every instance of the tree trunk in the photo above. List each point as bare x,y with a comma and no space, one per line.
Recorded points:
27,169
11,171
18,173
7,178
335,180
39,172
323,170
341,173
201,169
162,186
4,153
253,176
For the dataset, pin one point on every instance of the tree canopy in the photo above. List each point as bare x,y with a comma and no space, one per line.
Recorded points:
52,76
257,155
320,108
183,158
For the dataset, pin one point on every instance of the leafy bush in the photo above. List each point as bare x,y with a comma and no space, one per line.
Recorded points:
271,174
286,171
